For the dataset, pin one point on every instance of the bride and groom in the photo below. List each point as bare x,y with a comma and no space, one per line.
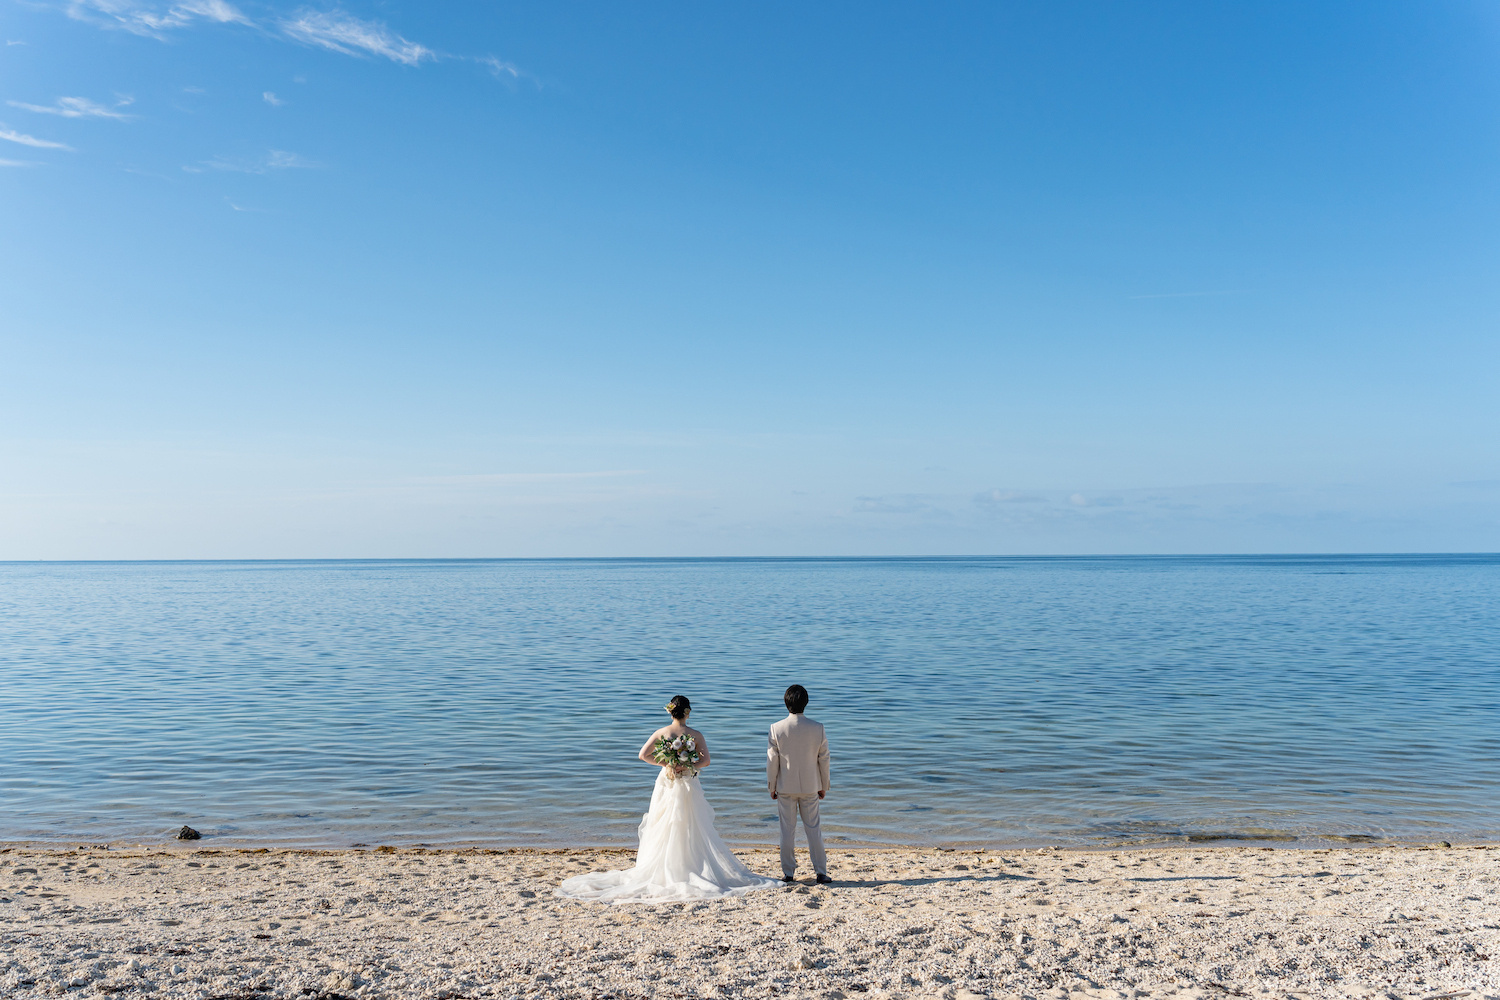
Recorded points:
681,855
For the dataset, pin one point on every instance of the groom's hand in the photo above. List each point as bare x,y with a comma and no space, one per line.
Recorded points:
773,795
821,794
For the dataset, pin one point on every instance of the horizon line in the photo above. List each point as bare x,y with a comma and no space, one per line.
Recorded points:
781,558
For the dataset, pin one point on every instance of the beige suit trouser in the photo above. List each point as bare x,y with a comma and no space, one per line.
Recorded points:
790,807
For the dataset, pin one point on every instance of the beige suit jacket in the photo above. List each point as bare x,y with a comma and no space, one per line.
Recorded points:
797,757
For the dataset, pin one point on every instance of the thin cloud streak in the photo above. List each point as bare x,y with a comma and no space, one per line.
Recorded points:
499,67
19,163
1008,496
276,159
335,30
520,477
153,20
901,503
30,140
76,107
341,32
507,72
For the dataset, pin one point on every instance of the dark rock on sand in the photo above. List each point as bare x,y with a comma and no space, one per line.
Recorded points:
188,833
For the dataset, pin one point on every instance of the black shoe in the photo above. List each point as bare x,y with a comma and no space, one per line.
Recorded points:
788,878
823,879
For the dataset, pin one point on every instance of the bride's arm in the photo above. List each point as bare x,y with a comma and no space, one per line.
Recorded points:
645,753
702,752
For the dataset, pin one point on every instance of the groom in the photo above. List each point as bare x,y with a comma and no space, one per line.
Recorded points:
797,776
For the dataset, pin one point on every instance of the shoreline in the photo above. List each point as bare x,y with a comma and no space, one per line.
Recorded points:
1194,841
196,921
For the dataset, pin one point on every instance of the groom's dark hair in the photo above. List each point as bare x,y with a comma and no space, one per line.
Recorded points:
796,699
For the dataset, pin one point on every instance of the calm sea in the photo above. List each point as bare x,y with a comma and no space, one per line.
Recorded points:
968,701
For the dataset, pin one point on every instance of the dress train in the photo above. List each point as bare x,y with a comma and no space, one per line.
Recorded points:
681,856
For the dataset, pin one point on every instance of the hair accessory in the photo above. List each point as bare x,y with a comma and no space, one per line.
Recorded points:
668,706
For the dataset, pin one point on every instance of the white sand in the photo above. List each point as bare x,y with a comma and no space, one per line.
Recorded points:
1189,922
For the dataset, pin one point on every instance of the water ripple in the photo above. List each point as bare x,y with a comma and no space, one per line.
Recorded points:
968,700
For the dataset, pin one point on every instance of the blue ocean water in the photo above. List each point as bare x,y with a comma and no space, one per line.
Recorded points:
969,701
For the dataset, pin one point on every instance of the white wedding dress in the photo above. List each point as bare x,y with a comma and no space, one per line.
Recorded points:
681,856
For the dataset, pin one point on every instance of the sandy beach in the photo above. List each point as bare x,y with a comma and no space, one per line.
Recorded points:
1174,921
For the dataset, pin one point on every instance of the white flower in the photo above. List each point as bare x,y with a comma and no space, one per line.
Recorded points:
691,745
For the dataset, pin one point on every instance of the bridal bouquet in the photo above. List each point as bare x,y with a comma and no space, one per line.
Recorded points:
680,752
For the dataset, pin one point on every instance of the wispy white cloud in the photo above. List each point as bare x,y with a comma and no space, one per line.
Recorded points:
214,10
1036,507
272,100
343,32
989,497
334,29
901,503
30,140
276,159
19,163
504,71
77,107
501,68
280,159
153,19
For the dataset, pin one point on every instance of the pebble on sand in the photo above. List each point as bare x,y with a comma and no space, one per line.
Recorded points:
188,833
1162,923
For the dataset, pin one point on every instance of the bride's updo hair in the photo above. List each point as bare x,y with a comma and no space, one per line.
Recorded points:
679,707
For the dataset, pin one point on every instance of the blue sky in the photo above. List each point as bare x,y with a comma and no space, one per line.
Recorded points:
773,279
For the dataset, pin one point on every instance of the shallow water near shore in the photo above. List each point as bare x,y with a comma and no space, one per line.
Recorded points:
978,701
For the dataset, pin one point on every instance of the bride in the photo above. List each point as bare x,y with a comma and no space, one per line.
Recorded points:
681,855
